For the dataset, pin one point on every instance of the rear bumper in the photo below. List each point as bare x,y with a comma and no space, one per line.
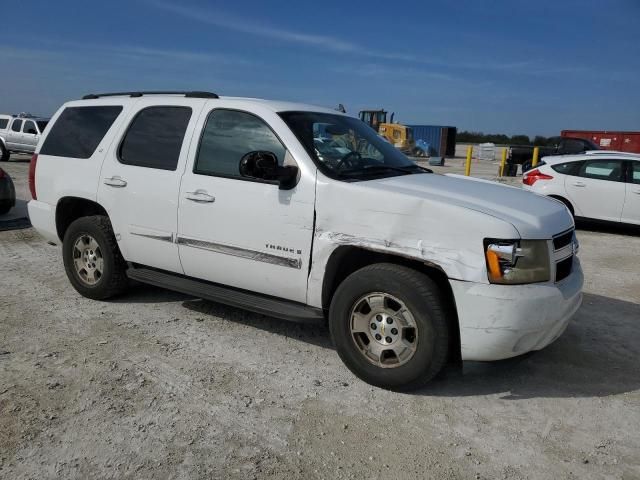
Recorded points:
502,321
43,218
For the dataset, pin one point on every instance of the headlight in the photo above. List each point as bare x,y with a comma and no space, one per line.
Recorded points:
517,261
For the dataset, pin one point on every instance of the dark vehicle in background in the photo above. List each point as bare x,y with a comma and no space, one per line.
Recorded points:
608,140
7,192
523,154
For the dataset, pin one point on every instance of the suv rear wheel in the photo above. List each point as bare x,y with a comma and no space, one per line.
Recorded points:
92,258
389,326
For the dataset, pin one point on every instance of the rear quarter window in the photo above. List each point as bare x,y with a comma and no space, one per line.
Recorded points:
569,168
79,130
3,123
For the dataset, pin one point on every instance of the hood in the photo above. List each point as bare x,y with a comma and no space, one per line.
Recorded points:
533,215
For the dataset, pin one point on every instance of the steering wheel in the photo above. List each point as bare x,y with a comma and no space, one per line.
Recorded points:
347,158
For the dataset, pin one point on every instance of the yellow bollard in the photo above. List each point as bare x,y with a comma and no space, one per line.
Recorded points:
503,162
536,154
467,168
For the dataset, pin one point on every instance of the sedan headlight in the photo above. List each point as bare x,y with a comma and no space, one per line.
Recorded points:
517,261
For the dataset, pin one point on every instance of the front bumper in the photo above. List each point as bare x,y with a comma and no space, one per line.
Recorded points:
502,321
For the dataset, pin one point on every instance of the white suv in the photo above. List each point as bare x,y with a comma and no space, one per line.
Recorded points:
600,185
304,213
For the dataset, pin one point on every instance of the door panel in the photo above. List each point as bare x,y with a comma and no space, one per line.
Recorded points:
598,190
140,179
14,135
241,233
631,210
29,140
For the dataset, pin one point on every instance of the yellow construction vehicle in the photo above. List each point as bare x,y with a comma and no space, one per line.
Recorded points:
397,134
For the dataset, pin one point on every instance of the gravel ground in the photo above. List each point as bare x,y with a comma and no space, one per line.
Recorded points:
160,385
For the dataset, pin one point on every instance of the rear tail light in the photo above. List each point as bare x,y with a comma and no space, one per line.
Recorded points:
32,176
532,176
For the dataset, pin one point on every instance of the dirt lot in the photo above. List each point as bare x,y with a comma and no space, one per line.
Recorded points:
160,385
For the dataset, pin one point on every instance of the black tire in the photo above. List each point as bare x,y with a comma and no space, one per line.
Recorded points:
113,279
4,208
423,299
4,153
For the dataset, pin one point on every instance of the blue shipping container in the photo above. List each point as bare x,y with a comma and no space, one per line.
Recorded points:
442,139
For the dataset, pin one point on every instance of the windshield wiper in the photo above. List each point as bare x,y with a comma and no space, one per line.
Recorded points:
407,170
424,169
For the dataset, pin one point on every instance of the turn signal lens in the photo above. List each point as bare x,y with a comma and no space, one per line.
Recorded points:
493,265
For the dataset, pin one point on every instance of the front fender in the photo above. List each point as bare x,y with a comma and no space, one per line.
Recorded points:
455,263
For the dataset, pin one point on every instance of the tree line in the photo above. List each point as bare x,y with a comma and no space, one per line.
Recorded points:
501,139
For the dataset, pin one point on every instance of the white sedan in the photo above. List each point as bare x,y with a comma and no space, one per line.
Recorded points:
600,185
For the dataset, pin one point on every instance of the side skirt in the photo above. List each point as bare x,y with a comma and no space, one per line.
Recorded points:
255,302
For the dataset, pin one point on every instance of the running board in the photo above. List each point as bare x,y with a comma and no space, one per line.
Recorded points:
254,302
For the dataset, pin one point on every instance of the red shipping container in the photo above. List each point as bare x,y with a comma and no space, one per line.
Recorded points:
619,141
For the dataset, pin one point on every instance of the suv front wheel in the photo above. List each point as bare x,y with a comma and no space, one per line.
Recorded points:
92,258
389,326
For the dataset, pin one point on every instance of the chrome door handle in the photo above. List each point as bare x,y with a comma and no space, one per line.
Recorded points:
200,196
637,192
579,184
115,182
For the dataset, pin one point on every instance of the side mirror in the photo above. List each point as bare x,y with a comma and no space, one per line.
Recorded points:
263,165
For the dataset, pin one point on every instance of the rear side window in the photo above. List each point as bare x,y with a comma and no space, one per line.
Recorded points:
154,138
635,172
602,170
3,123
30,128
16,125
79,130
569,168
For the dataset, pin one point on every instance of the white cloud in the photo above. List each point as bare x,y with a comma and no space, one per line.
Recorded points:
224,20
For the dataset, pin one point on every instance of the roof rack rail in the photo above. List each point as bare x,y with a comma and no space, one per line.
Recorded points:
610,152
187,94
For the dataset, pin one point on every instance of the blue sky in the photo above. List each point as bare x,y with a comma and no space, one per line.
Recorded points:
518,66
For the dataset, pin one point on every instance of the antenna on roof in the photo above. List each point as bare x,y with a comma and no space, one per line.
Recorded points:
341,108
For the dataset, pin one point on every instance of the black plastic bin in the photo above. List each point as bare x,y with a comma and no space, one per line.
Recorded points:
510,169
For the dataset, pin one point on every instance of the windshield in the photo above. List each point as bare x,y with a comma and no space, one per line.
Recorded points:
346,148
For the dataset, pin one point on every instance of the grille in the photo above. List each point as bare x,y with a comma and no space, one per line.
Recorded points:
563,254
562,240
